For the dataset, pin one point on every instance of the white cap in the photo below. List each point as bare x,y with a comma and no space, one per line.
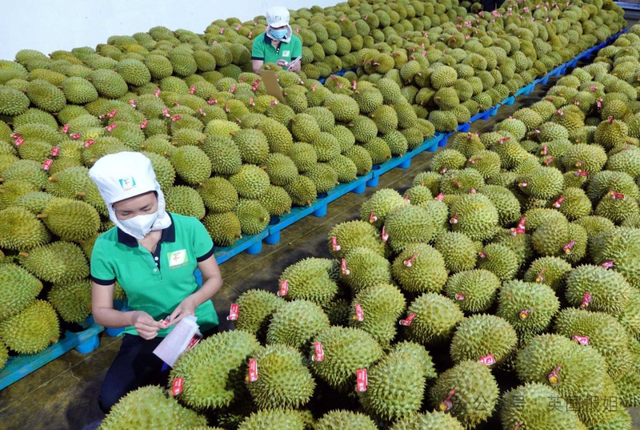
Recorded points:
124,175
277,16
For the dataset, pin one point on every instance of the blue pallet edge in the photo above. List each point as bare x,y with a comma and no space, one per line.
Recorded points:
249,243
20,366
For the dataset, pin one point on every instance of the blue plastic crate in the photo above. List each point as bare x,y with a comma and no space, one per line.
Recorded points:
20,366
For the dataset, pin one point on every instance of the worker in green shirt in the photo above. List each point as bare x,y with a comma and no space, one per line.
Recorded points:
278,43
153,255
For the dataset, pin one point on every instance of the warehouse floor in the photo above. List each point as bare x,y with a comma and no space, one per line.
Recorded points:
63,394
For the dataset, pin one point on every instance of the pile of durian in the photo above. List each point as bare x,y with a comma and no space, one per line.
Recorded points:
502,290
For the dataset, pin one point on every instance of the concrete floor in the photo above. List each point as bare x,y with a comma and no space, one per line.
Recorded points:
63,394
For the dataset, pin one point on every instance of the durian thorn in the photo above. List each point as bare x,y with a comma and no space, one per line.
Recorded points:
81,193
174,143
40,216
262,218
308,202
166,154
53,179
23,254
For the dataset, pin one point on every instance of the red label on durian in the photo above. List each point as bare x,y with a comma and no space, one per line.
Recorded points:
132,103
112,126
385,236
166,113
88,143
112,113
319,355
15,135
440,197
407,321
362,381
192,90
582,340
447,404
234,312
253,370
343,268
459,296
194,341
19,141
202,112
586,299
487,360
373,218
47,164
359,312
176,118
76,136
55,151
65,128
284,288
558,202
409,262
176,387
553,377
607,264
334,244
144,123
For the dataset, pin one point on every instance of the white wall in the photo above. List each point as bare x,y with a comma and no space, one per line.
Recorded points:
49,25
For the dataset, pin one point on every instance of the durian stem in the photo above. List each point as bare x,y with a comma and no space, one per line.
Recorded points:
41,216
23,254
80,193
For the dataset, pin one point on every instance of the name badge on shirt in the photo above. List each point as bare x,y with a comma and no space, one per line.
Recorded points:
177,258
286,53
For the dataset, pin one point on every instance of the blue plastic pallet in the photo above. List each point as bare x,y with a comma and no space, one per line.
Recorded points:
20,366
250,243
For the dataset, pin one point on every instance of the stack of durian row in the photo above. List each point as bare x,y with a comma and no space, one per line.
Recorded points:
500,291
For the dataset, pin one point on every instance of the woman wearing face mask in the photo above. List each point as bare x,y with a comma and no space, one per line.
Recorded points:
277,44
153,255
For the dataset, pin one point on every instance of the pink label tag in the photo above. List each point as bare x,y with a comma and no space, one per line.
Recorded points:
460,296
559,202
234,312
112,113
55,151
343,268
144,123
284,288
15,135
407,199
487,360
132,102
407,321
373,218
253,370
176,118
447,404
385,236
88,143
192,90
548,161
568,248
112,127
454,219
362,381
582,340
157,93
409,262
615,195
176,387
582,173
586,299
359,313
194,341
19,141
65,128
232,89
238,27
334,244
202,112
319,355
212,101
47,164
553,377
440,197
607,264
166,113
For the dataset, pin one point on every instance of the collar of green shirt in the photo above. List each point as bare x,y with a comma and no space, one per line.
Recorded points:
168,235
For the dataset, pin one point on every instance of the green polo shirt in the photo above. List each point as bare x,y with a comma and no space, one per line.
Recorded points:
156,283
263,49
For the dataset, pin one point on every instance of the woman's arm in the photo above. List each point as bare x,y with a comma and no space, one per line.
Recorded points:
257,64
104,313
211,283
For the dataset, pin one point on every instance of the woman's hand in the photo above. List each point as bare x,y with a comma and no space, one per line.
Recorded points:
146,326
186,307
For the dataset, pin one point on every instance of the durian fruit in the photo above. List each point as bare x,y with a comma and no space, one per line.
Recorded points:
606,335
380,205
267,419
608,290
70,220
395,386
345,351
551,271
475,216
214,371
500,260
435,318
58,262
253,217
302,191
354,234
218,195
542,183
283,380
428,421
32,330
256,307
407,225
362,268
21,229
343,419
72,301
458,251
419,269
620,246
191,164
149,407
483,335
4,355
185,201
468,391
629,318
506,203
276,201
19,289
251,182
528,306
381,306
629,385
295,323
223,228
310,279
473,290
527,406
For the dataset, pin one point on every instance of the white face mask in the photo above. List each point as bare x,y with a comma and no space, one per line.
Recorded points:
139,226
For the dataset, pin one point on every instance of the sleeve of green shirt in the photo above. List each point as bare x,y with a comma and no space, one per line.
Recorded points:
296,47
102,272
257,50
202,244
